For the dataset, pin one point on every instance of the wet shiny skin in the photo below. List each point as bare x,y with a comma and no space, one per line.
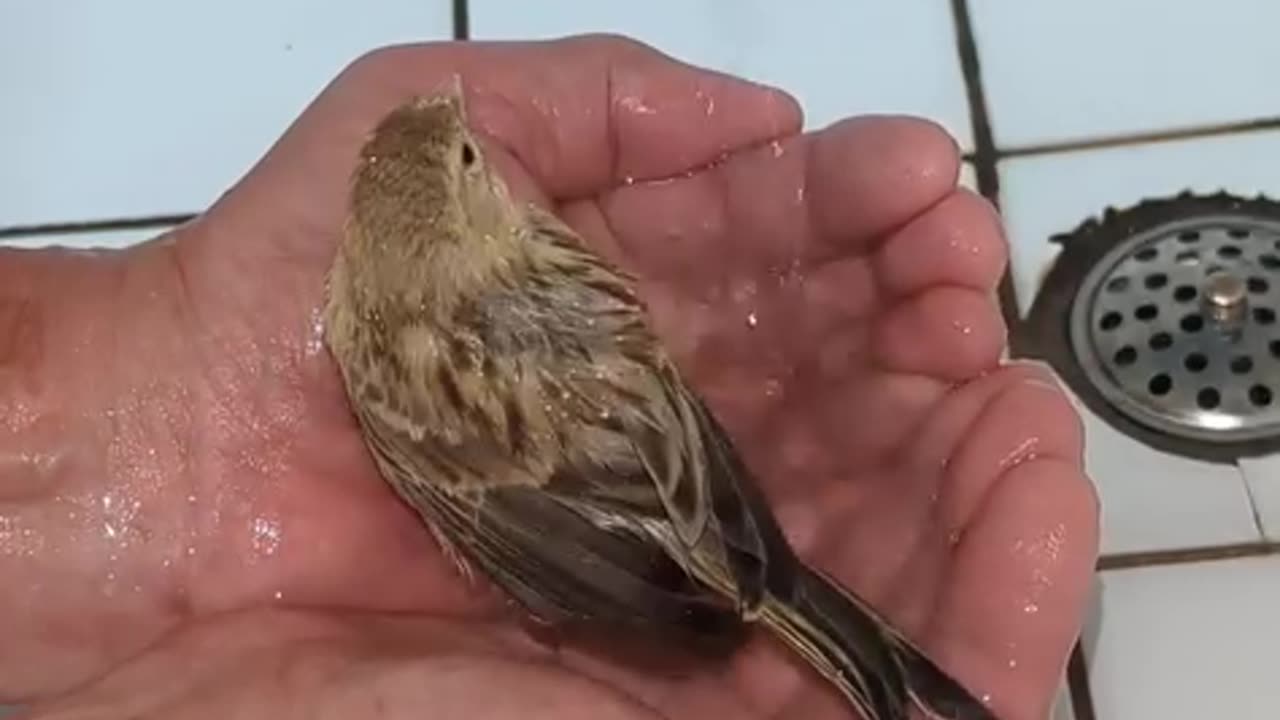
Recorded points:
179,447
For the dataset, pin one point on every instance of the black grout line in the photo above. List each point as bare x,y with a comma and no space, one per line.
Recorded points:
1142,138
1153,558
984,156
1082,707
89,226
461,31
1077,666
461,20
1254,510
984,159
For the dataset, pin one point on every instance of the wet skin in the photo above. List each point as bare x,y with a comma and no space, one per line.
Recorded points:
189,520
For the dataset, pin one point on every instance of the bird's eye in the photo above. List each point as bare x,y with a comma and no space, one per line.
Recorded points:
468,155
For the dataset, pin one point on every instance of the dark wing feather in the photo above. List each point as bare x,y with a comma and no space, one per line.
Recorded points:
686,454
671,459
557,563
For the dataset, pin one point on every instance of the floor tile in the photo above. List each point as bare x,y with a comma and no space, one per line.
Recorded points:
1044,195
1263,477
1188,642
837,58
110,239
1151,500
968,177
1062,706
1068,70
1156,501
147,107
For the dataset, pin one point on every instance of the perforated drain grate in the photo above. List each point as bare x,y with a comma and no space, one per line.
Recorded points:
1165,316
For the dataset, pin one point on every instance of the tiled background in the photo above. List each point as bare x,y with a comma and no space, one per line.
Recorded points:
145,109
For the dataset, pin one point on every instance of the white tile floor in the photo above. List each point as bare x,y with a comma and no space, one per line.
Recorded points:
1198,503
1180,641
127,108
1046,194
1153,501
1062,708
1263,478
968,177
1188,641
1070,70
838,57
105,239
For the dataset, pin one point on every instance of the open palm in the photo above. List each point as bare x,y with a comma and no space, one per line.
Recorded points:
829,293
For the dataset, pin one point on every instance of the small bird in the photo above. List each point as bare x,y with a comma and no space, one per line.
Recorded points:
509,388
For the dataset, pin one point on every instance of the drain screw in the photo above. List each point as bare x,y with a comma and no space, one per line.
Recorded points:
1226,299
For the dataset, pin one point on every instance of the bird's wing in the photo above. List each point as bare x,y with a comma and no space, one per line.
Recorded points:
708,494
559,563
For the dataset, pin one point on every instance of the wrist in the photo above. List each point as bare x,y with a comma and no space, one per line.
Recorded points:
41,329
86,443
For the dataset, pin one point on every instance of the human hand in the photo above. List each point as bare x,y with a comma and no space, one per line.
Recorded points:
830,294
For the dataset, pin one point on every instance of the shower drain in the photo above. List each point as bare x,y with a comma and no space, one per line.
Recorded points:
1163,319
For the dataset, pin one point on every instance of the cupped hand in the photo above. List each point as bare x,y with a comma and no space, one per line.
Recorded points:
831,293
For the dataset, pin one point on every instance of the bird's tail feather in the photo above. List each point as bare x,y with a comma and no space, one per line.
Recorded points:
877,669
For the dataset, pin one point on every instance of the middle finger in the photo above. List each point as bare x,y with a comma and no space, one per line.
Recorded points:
786,205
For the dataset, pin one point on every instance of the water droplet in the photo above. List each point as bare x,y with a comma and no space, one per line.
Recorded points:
628,180
1031,608
777,149
191,498
1012,663
266,536
191,550
707,100
954,537
279,595
1024,451
752,320
315,339
772,387
636,105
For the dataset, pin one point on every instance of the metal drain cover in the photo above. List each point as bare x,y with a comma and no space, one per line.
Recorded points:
1166,315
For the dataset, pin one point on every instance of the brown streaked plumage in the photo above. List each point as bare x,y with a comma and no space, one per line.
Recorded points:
510,390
